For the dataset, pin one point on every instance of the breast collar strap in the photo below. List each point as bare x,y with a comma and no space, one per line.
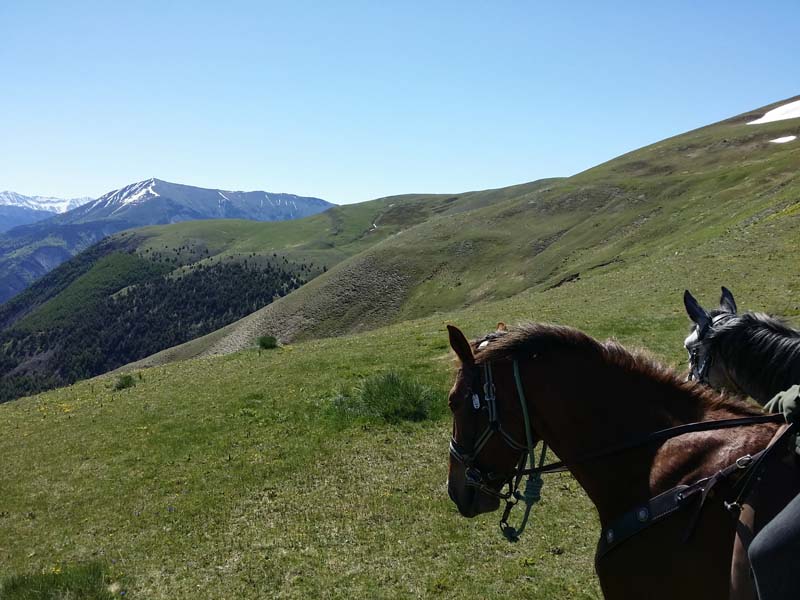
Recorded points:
747,468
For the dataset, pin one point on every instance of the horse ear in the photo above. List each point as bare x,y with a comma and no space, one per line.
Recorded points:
501,326
726,301
459,343
696,312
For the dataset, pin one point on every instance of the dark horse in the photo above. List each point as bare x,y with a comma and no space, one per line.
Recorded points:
666,531
751,354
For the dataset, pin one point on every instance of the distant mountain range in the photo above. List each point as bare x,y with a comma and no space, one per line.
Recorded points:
156,202
44,203
29,251
17,209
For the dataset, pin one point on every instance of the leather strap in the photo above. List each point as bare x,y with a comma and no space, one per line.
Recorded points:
661,436
654,510
643,516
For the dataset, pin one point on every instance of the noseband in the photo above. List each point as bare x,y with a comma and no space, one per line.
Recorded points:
483,481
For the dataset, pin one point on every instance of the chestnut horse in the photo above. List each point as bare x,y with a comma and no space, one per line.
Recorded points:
664,501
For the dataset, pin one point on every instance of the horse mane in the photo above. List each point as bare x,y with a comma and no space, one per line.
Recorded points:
531,339
758,347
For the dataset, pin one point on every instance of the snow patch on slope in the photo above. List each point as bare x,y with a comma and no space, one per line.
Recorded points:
787,111
140,192
130,194
784,139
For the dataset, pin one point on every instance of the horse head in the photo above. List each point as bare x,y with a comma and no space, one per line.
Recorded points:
514,389
703,366
484,452
748,353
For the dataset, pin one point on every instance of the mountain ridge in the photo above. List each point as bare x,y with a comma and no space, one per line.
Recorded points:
29,251
401,258
43,203
202,202
18,209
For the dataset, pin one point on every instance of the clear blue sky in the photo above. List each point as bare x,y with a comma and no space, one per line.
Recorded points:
350,101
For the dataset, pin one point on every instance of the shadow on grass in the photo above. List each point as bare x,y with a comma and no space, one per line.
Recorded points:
89,581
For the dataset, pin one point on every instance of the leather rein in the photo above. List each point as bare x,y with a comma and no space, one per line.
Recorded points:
487,482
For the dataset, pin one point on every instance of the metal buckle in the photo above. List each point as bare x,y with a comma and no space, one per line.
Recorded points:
733,507
744,461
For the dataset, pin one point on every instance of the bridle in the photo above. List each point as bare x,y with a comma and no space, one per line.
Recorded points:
532,494
483,481
474,475
699,367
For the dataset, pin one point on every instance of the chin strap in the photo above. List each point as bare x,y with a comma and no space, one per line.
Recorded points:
533,483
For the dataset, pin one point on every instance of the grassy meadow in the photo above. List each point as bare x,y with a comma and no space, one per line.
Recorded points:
229,477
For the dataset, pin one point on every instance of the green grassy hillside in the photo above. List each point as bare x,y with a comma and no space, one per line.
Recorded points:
240,484
231,476
667,198
322,240
46,327
140,292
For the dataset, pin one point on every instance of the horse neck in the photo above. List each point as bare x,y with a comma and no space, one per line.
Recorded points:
583,406
760,370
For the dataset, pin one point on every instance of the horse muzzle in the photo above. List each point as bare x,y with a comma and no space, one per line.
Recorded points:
470,502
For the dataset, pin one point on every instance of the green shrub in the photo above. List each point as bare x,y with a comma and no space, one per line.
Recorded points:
88,581
390,397
267,342
124,382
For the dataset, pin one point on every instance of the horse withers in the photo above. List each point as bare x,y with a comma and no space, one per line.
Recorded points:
663,460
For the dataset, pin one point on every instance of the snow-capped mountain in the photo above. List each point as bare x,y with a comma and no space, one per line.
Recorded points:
29,251
42,203
16,209
156,201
